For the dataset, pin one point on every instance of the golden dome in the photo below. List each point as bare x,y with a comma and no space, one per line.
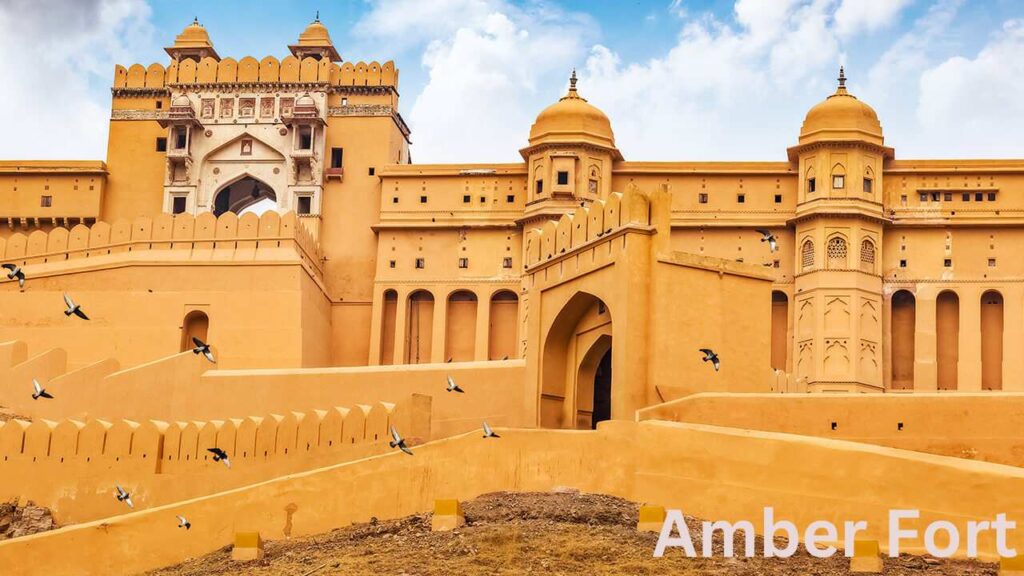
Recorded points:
193,41
841,117
572,120
193,36
315,41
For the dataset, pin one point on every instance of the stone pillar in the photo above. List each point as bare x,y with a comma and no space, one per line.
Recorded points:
439,330
376,319
401,325
925,366
969,373
1013,335
483,324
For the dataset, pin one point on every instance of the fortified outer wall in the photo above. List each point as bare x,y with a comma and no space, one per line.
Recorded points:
184,387
709,472
75,464
139,280
964,425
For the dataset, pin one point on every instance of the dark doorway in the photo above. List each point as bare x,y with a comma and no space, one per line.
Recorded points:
603,390
244,194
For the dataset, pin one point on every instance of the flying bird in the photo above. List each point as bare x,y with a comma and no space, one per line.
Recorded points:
709,355
399,442
202,348
767,236
488,433
73,308
39,391
220,456
453,387
183,523
123,496
14,271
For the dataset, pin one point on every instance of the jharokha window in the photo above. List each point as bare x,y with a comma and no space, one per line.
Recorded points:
836,252
807,255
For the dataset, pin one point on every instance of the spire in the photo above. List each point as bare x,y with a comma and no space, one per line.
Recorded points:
317,19
842,81
572,87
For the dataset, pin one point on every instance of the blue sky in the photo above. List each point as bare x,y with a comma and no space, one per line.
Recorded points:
680,79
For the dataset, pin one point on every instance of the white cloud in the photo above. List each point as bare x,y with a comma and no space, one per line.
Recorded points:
854,16
57,65
974,104
492,67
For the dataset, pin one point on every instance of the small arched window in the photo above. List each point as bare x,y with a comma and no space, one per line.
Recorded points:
812,184
836,253
867,256
807,255
838,177
869,180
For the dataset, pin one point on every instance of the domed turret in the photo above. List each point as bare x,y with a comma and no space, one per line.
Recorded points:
315,41
841,117
193,42
572,120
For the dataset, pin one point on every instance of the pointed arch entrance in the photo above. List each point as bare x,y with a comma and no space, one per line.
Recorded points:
244,194
576,389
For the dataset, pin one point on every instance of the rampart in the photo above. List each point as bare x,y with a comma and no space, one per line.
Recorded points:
71,466
982,426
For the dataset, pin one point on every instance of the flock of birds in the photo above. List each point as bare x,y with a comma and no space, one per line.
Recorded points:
14,272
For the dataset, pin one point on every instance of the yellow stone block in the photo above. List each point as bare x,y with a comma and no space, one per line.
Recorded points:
1012,566
651,518
447,515
248,546
866,557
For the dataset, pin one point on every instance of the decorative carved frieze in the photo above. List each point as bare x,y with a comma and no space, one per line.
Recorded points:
138,115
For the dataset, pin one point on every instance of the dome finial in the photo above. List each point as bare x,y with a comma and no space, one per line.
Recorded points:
572,81
317,16
842,78
195,20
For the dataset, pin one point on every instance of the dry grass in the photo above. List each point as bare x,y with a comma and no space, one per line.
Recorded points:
532,533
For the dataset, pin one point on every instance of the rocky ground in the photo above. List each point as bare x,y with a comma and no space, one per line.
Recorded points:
18,521
532,533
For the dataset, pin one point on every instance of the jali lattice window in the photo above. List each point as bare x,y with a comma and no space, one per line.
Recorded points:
807,255
867,256
836,253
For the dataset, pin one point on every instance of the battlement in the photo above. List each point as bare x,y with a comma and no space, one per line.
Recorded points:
203,237
248,70
587,224
161,462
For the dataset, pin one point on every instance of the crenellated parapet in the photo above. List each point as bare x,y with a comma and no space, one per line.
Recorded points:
203,237
160,462
250,72
588,224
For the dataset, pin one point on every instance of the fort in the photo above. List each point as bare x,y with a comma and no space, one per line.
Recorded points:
271,208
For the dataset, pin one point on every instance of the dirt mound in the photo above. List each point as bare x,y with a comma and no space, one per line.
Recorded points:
18,521
527,533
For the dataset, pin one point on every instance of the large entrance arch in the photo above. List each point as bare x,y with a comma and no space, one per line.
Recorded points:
245,194
576,365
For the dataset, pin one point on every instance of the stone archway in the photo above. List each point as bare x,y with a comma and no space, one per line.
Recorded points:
572,353
593,384
245,193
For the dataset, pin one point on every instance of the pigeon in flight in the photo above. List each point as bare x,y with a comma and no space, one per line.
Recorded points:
220,456
39,391
123,496
73,308
399,442
202,348
767,236
183,523
453,387
488,433
709,355
14,271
